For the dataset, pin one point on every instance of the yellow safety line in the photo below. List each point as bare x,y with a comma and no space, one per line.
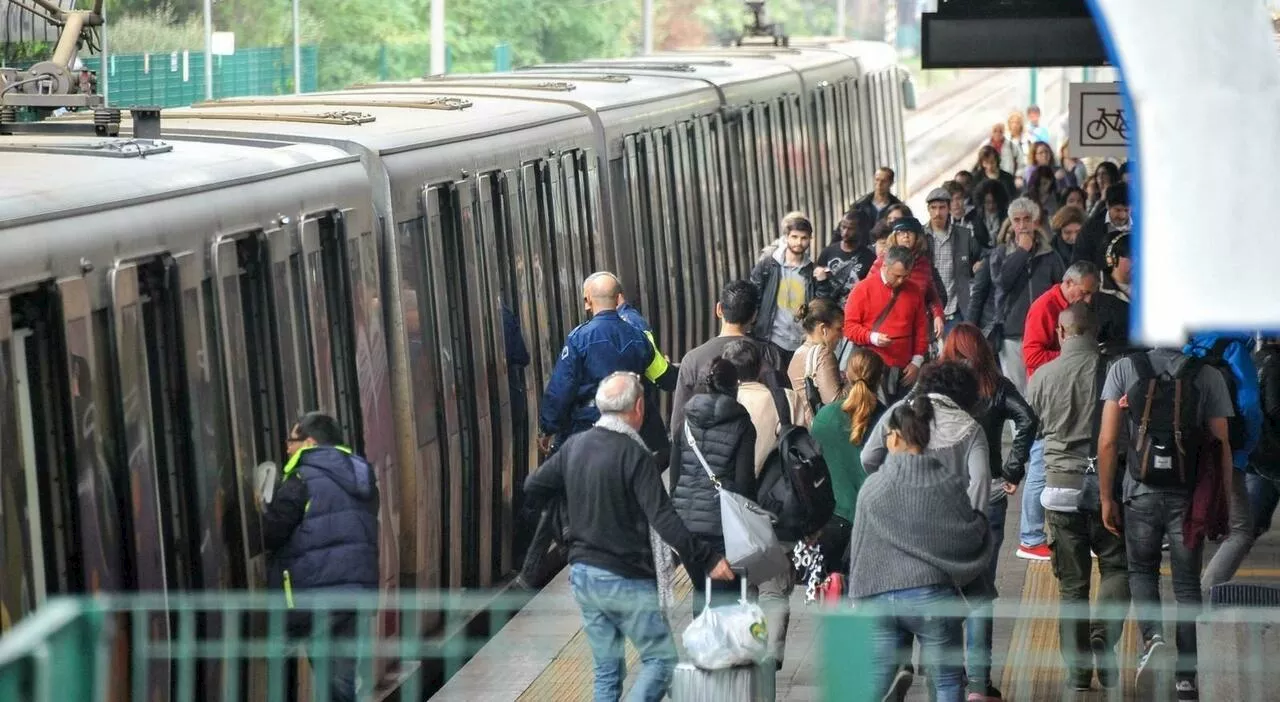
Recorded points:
571,675
1034,669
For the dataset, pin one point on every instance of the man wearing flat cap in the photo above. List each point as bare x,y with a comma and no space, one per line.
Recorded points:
954,252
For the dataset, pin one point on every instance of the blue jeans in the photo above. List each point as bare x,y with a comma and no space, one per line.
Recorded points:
979,626
1032,532
941,638
615,609
1148,519
1264,497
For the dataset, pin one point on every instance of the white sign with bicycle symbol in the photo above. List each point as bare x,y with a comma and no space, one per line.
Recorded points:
1098,124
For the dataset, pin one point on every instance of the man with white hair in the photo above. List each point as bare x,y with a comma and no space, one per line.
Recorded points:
613,495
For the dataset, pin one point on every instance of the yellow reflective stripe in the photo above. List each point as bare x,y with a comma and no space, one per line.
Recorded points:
292,465
658,367
288,590
307,507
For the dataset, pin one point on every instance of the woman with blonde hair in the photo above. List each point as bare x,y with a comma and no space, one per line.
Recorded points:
1020,139
840,429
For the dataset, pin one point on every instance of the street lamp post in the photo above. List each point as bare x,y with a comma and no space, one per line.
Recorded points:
437,37
297,52
648,27
208,49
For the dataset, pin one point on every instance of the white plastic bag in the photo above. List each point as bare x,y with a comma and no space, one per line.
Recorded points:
724,637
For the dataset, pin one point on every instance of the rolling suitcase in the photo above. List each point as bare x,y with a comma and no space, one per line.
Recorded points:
742,683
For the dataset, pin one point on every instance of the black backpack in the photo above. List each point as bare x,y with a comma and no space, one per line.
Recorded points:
1237,427
1164,435
795,484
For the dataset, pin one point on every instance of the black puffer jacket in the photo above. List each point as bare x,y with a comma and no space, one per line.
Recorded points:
1008,406
724,433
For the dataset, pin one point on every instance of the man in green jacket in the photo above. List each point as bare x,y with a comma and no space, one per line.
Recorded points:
1065,393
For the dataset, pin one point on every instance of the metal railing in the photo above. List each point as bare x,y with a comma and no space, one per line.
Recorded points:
247,646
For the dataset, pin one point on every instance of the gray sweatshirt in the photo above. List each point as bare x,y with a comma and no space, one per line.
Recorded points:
914,527
955,439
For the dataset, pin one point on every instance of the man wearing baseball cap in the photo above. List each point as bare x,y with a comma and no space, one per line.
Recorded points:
954,253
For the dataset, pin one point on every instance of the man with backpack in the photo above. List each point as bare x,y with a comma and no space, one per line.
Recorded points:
1169,411
1230,355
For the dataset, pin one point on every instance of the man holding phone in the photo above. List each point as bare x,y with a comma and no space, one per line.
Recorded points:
886,313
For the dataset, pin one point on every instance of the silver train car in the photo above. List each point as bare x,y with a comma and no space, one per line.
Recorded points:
168,307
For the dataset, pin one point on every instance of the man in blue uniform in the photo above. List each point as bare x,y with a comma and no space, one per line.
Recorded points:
321,529
604,345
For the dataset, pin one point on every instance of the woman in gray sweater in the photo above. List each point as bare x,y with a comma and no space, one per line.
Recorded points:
916,540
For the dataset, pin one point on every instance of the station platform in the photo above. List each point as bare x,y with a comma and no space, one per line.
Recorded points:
542,653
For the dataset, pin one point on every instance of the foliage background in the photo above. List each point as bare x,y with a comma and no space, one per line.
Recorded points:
363,40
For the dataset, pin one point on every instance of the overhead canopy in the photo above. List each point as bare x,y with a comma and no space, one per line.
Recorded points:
1204,82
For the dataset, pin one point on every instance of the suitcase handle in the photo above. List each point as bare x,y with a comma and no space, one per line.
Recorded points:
742,578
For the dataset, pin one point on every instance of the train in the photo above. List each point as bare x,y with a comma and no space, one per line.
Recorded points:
169,306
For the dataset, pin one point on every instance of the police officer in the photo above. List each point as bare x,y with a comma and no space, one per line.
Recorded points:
603,345
660,375
321,529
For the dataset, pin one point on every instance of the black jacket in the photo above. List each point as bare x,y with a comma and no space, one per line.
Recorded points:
727,439
765,277
1008,405
982,301
1113,318
613,494
1267,452
1021,277
1005,178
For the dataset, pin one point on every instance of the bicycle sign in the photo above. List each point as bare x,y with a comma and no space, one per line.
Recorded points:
1098,123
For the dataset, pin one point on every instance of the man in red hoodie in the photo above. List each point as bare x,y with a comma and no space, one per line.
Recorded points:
1040,335
886,313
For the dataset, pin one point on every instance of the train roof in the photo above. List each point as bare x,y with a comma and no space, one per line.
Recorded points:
43,175
385,123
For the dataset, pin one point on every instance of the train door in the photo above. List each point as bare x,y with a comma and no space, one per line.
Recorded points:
684,296
542,328
642,237
422,487
710,230
666,253
457,451
492,228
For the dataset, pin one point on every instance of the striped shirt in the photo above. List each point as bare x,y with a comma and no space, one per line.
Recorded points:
944,263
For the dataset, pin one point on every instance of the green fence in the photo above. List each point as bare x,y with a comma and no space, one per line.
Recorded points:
176,78
234,646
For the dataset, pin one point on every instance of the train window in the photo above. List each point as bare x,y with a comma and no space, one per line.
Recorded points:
801,161
779,160
297,392
720,194
415,307
556,259
762,158
666,254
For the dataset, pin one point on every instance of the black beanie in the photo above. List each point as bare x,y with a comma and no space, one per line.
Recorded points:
1117,194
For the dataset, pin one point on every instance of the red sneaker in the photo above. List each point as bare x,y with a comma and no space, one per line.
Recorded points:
1034,553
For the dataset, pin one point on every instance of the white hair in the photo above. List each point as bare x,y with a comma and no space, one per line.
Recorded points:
618,392
1025,205
1081,270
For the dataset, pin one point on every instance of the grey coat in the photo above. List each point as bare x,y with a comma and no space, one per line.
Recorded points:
913,527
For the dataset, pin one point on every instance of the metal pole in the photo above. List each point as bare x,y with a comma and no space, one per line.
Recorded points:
841,19
297,52
437,37
104,61
208,49
647,32
1034,75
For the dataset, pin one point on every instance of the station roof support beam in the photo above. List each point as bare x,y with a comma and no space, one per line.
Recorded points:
1010,34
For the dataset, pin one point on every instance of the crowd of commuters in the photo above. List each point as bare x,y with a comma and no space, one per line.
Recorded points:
908,349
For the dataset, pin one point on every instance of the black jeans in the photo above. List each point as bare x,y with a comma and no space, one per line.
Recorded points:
1071,536
1147,519
544,557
